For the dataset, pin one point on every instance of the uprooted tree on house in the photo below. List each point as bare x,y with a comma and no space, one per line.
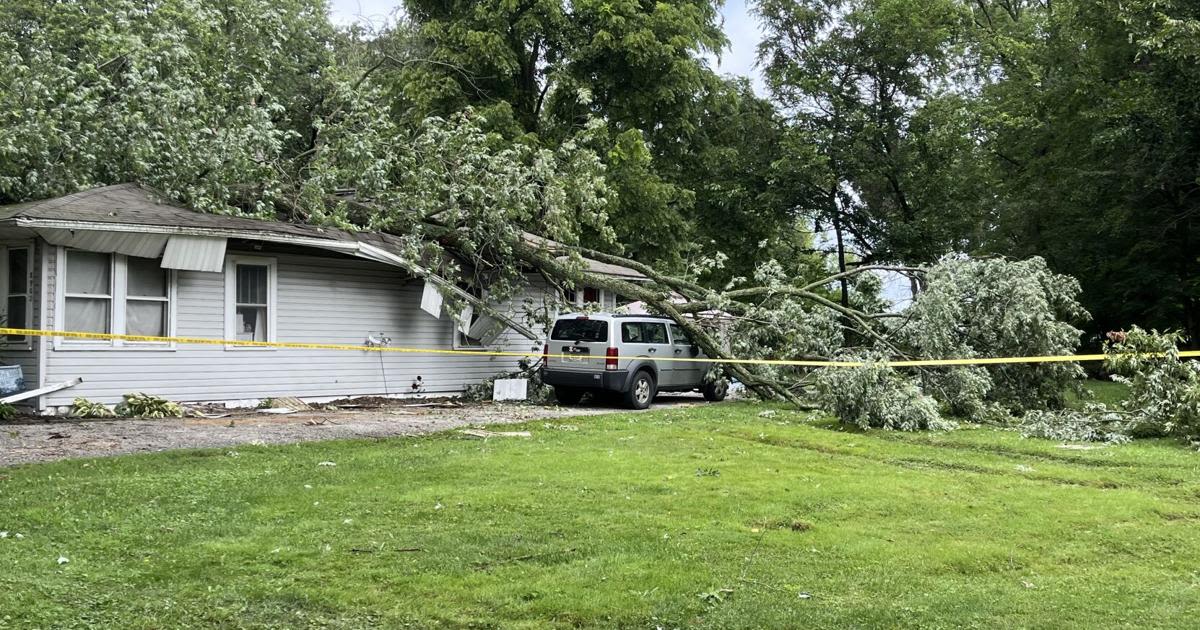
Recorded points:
303,117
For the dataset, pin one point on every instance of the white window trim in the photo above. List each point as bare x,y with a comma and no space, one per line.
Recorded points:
231,263
579,296
27,344
117,294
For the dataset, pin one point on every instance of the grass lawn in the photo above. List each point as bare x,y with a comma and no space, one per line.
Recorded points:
692,517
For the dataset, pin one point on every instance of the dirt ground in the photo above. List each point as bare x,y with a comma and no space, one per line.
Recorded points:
51,438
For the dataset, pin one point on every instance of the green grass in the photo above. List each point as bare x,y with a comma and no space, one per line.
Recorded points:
699,517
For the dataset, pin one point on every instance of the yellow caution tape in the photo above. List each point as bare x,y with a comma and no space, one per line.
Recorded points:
1065,358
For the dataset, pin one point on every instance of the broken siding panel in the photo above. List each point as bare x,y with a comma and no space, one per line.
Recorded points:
319,300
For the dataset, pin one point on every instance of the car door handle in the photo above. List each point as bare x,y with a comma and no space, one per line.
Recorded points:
677,351
653,349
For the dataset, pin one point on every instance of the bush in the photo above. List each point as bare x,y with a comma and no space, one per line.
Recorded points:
7,411
875,396
146,406
84,408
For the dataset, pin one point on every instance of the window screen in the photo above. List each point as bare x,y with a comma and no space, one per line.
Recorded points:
146,307
252,302
88,297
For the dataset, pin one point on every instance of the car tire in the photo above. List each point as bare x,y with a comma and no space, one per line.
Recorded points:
715,390
567,395
642,390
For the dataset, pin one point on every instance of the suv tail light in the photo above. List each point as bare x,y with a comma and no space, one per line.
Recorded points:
610,358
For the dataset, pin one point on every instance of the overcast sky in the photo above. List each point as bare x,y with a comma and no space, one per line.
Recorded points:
740,27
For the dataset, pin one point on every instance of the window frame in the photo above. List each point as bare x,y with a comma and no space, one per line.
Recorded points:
231,265
25,342
118,290
575,296
455,329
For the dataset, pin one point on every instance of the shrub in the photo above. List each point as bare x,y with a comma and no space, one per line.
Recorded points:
875,396
7,411
140,405
84,408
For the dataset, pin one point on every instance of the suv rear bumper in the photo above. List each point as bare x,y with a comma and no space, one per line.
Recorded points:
612,381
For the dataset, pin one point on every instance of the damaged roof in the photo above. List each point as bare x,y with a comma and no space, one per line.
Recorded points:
135,208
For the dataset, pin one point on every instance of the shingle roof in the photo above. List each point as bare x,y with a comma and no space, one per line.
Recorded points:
132,204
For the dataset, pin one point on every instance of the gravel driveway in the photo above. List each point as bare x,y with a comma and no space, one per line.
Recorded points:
47,439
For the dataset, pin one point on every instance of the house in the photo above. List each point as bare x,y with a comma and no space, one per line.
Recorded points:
122,260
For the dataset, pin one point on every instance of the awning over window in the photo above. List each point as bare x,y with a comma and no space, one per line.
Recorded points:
128,243
194,253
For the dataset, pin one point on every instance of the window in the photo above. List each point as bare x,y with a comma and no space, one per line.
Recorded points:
88,306
588,330
588,295
113,293
643,332
17,291
680,336
147,299
250,299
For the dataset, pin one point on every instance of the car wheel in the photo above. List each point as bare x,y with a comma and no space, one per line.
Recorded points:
641,391
714,391
568,395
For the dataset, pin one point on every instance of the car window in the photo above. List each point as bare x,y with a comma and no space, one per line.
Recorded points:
586,330
680,336
631,332
654,333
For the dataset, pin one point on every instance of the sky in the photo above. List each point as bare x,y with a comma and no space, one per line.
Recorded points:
741,28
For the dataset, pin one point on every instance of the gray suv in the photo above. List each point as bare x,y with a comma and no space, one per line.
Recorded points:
606,353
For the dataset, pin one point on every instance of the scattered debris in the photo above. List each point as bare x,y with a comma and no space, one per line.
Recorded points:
58,436
481,566
192,411
34,393
510,389
1079,447
63,560
327,464
708,472
277,410
767,413
805,595
448,403
484,434
291,402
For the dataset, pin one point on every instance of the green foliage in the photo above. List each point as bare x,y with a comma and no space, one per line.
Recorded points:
7,412
974,308
140,405
1164,390
84,408
875,396
196,99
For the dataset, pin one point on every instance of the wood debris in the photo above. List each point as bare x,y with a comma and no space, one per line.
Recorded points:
484,434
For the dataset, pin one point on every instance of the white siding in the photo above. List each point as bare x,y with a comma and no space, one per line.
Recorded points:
319,300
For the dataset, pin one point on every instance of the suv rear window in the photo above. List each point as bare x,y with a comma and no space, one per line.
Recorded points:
587,330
